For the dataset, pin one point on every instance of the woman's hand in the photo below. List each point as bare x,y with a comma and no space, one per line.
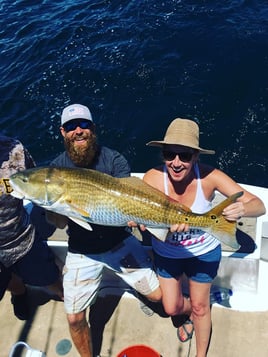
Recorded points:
183,227
234,211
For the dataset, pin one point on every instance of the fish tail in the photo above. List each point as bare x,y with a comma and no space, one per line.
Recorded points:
222,229
217,210
225,232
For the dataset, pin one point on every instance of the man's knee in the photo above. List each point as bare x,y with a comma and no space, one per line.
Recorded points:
77,321
155,296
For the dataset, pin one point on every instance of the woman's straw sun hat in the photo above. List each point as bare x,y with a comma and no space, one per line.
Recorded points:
183,132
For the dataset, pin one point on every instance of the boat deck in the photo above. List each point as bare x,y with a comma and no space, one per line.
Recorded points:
122,323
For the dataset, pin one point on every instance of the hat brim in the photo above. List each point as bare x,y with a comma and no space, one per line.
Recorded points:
75,118
162,143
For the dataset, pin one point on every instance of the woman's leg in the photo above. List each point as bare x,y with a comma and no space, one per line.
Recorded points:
172,298
201,315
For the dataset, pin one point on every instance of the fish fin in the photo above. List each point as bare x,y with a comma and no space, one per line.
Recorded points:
159,233
77,209
139,183
17,194
81,223
134,179
182,209
135,182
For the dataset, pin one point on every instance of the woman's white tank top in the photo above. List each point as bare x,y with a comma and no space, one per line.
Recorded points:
194,242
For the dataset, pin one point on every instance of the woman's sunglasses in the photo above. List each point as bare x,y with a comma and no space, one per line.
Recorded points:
73,124
183,156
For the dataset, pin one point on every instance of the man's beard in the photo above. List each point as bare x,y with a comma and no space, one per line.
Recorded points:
84,155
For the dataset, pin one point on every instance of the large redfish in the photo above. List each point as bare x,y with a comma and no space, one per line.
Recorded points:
88,196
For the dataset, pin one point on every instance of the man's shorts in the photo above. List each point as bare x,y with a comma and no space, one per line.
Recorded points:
37,267
202,268
83,273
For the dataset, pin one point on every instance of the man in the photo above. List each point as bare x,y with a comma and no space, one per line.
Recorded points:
90,251
24,259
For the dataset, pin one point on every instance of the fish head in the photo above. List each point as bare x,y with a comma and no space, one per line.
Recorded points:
43,186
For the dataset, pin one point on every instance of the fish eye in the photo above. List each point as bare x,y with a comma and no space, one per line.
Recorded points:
24,179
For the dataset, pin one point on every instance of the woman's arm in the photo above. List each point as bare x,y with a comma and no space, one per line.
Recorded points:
248,205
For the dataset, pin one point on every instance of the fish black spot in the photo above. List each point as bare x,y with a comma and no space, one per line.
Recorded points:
186,219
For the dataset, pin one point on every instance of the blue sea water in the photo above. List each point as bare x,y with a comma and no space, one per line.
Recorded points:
138,65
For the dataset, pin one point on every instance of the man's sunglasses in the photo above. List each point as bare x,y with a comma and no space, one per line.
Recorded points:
183,156
73,124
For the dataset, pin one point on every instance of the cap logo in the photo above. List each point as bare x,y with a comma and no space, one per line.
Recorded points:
76,111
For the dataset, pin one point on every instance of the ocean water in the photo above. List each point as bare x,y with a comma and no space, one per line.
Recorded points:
138,65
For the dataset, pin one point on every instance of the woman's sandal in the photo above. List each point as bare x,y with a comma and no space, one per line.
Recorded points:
187,333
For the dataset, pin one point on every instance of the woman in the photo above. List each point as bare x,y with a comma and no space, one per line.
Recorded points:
196,253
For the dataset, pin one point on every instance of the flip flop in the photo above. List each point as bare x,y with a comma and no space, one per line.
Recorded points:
188,334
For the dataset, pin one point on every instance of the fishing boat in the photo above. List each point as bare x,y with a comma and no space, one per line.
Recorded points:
121,322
